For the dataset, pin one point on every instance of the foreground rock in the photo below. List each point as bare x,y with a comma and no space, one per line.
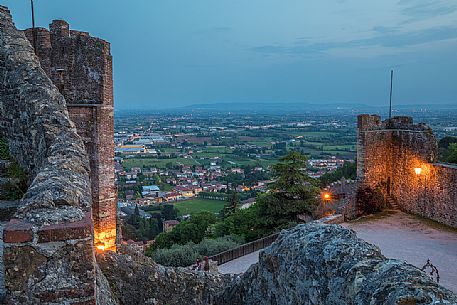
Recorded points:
327,264
142,281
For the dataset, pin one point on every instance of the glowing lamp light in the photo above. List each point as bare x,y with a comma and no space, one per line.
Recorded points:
326,196
101,247
418,170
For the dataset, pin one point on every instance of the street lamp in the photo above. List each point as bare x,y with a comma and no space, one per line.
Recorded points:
326,196
418,171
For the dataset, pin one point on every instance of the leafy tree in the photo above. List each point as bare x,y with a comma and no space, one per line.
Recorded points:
134,219
348,171
232,204
244,223
446,141
157,179
451,153
233,178
141,229
193,230
445,150
292,193
169,212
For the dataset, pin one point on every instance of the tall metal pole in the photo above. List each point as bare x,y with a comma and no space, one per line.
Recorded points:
33,28
390,102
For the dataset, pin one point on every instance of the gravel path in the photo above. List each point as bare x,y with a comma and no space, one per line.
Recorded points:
239,265
399,236
411,239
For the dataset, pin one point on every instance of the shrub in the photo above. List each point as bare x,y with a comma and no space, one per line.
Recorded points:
369,200
193,230
185,255
176,256
210,247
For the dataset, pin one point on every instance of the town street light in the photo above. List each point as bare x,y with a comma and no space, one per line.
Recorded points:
326,196
418,170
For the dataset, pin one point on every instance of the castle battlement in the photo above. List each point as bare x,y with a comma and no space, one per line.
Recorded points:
366,122
80,66
388,154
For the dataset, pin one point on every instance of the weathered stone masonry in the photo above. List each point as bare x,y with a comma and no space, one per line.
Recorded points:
81,68
49,256
48,246
388,153
319,264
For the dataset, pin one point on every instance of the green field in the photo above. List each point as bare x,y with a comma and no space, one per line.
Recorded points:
198,205
154,162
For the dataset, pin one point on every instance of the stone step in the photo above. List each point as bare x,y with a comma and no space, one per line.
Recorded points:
392,203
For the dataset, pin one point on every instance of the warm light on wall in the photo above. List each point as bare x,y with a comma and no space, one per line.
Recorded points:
418,170
105,240
101,247
326,196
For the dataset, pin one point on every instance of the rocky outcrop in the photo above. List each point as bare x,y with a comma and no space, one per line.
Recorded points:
142,281
328,264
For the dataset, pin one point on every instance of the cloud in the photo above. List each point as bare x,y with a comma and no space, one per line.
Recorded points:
385,38
426,8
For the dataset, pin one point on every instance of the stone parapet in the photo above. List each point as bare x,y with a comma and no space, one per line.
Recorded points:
48,245
81,67
50,263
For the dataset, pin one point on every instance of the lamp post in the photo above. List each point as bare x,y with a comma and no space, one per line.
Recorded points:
34,36
418,171
326,198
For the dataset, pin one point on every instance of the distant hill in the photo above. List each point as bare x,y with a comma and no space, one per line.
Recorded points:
294,108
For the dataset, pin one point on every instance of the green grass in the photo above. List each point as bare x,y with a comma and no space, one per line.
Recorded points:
339,147
196,205
312,133
208,155
216,149
159,163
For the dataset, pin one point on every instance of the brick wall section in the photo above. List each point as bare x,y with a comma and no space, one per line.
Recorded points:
389,151
81,67
48,246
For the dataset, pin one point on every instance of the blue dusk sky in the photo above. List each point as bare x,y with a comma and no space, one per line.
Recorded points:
170,53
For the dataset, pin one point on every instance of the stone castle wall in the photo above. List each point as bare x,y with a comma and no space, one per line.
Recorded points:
48,245
81,68
388,153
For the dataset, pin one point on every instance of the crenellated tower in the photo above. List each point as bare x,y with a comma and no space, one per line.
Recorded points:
81,68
